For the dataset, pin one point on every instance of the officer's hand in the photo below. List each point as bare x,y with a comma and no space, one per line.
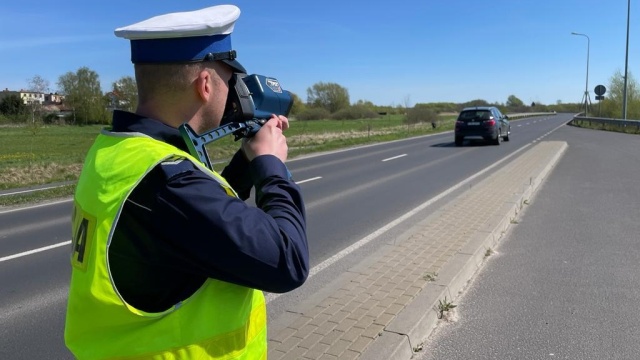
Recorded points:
283,122
269,140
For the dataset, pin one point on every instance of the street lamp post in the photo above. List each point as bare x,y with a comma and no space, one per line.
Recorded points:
626,66
586,87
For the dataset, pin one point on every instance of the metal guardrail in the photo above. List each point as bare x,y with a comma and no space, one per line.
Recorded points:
524,115
583,120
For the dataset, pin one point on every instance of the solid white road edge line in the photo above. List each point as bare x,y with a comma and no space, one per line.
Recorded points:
395,157
360,243
31,190
36,206
34,251
271,296
307,180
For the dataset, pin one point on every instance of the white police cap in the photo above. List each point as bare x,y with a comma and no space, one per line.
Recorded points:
201,35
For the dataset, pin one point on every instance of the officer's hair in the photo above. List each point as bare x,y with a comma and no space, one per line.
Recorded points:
164,81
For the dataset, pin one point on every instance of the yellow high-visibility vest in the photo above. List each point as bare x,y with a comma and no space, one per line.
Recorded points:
219,321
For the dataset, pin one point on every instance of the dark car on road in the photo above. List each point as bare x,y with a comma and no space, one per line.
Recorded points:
482,122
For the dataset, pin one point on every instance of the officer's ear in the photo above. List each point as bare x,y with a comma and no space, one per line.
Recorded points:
204,84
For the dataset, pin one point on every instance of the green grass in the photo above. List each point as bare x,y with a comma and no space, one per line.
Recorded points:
40,155
38,196
35,154
63,144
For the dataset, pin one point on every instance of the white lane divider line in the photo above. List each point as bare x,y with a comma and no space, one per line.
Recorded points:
34,251
395,157
307,180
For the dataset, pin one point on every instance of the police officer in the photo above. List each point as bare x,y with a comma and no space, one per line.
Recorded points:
168,261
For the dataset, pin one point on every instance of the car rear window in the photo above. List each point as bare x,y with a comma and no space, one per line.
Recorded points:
475,115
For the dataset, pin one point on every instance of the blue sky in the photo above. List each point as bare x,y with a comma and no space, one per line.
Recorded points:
389,53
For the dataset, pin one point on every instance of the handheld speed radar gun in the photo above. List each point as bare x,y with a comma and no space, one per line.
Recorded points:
251,101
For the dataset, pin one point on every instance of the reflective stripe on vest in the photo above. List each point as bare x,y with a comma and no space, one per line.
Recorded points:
219,321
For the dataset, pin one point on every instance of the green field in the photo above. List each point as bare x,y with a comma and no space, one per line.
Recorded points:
36,155
40,155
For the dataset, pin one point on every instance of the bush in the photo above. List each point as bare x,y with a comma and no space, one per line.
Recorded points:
354,113
53,118
420,115
14,119
440,107
313,114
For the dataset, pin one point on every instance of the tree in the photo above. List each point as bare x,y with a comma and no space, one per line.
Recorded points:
126,93
83,94
38,84
407,102
514,102
329,96
12,105
612,105
365,103
476,102
298,106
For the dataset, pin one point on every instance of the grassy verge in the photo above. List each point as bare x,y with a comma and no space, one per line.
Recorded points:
38,155
38,196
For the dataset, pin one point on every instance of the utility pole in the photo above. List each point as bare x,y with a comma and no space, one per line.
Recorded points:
626,66
586,97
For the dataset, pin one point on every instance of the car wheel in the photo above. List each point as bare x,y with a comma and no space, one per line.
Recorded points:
459,140
506,137
498,137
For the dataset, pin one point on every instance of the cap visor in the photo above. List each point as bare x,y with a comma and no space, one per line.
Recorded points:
237,67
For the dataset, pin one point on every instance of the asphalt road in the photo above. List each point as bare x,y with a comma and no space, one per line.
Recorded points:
361,196
565,283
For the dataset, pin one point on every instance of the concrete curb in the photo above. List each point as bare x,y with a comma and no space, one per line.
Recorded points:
403,337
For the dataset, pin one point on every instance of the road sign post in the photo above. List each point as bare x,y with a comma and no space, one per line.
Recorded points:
600,90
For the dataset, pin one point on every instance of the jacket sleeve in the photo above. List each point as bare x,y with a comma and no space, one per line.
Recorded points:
262,247
237,175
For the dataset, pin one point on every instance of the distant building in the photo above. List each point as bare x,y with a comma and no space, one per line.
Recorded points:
32,97
52,98
116,101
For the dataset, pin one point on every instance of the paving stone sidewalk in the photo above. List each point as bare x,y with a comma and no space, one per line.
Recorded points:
385,307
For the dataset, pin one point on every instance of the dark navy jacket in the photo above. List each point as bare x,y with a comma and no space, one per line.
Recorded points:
179,227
